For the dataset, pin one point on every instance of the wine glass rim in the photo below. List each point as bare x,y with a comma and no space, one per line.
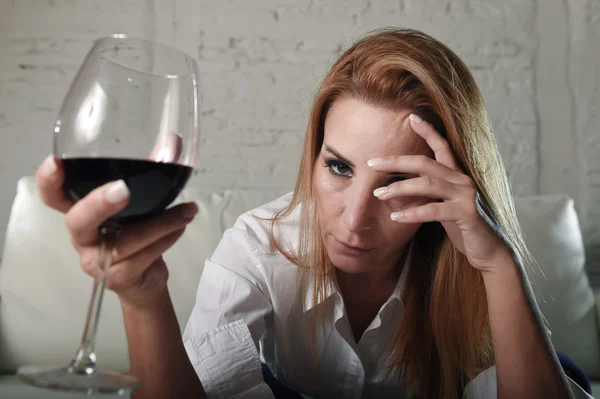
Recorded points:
182,53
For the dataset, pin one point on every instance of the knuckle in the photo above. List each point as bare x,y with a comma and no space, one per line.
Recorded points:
71,223
87,258
433,210
430,181
467,181
423,161
445,144
113,284
158,273
119,277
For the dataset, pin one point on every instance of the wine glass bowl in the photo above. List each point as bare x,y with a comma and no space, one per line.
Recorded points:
125,97
131,113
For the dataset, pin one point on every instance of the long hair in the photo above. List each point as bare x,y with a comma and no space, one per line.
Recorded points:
444,335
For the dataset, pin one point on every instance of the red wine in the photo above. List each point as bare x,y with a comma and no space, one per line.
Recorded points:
153,185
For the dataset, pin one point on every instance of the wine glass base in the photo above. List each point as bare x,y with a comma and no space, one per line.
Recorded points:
64,379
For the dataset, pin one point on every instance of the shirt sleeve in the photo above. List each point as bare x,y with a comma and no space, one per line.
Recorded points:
484,387
227,322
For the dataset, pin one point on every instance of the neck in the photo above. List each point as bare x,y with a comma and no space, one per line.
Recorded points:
372,285
367,281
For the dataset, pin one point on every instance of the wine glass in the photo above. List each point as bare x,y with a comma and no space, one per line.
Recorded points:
131,113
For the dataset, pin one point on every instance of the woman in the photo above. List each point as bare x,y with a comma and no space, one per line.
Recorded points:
395,269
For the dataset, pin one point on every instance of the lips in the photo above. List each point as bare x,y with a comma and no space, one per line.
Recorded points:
355,249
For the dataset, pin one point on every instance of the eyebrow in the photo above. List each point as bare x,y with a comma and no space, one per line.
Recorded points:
349,163
338,156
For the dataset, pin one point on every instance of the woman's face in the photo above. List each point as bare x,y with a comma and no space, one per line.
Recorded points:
356,228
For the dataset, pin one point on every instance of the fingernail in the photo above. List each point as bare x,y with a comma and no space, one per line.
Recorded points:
49,166
380,191
397,215
415,118
165,155
189,212
168,148
374,162
117,192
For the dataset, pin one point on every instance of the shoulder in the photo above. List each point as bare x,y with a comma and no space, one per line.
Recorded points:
251,233
256,226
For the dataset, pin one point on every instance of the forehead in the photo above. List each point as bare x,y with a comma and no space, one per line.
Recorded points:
361,131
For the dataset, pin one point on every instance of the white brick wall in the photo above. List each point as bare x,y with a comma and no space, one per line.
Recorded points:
583,74
261,62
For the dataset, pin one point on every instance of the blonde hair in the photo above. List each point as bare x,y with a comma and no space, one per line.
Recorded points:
444,335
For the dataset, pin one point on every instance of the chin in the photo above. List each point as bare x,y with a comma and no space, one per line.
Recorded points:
349,264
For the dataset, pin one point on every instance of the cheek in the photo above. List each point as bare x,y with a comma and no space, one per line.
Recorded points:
395,233
325,185
327,193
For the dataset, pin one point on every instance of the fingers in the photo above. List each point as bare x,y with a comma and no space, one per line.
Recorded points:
425,186
135,238
124,274
94,209
443,167
49,179
431,212
441,148
419,165
167,149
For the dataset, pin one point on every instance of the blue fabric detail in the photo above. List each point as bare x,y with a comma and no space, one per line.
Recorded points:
574,372
280,391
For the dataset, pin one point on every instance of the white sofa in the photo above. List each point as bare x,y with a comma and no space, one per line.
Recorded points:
44,294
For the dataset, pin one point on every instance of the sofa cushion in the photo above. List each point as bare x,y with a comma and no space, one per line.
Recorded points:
44,293
562,288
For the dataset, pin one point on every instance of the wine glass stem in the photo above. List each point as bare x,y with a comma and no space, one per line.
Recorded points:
84,361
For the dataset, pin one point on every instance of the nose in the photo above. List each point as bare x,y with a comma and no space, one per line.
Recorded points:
360,209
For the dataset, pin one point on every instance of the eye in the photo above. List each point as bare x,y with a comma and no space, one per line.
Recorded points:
338,168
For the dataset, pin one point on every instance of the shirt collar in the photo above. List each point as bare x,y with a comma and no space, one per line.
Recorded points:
401,284
309,303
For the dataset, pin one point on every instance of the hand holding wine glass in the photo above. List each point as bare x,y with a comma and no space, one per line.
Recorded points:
137,273
125,143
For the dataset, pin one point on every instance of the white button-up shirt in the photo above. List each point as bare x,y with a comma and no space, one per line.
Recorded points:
249,310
